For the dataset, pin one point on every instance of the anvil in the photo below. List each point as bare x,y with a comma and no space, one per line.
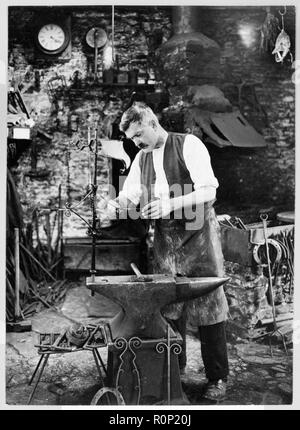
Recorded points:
142,298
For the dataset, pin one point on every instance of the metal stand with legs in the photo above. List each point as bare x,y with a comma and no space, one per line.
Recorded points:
45,350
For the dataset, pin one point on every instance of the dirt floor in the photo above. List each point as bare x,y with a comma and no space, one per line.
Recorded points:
256,377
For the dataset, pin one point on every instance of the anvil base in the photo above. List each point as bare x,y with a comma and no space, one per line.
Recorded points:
141,373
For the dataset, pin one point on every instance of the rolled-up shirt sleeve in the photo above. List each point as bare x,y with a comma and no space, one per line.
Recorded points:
197,160
132,189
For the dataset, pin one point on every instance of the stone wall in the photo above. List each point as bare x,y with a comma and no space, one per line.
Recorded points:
264,177
258,178
76,99
248,178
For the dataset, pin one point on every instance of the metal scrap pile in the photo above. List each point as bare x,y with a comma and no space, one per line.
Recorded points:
33,270
277,263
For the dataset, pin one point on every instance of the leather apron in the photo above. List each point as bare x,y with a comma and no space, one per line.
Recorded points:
195,253
178,250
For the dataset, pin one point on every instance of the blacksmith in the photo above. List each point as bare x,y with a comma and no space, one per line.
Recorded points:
171,180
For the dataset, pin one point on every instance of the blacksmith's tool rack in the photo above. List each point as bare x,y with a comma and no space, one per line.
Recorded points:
78,338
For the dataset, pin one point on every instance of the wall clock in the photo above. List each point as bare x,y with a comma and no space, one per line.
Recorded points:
52,37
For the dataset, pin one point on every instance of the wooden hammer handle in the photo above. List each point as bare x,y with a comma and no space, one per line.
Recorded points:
136,270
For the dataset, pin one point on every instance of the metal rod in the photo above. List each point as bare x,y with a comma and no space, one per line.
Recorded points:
169,365
34,259
96,54
98,367
94,214
264,218
61,235
56,246
39,377
22,104
241,223
36,369
89,159
136,270
36,221
101,361
68,177
76,205
17,274
47,215
113,33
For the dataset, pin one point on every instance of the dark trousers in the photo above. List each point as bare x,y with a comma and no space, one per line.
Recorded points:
213,348
214,351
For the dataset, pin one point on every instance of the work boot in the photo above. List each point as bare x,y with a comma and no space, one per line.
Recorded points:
215,390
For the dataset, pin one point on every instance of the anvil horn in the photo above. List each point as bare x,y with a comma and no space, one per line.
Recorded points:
191,288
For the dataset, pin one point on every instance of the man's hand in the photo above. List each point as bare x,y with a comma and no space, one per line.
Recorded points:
110,209
157,209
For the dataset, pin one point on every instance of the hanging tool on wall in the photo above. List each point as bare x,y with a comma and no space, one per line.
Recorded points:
19,121
55,89
283,42
96,38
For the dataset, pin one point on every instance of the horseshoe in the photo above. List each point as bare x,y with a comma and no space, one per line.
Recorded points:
104,390
270,242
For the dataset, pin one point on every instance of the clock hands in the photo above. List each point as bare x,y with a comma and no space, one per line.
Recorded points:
55,40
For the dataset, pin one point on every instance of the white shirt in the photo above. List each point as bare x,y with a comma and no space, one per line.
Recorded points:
197,160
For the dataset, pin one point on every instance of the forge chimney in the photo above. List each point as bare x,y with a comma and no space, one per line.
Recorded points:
189,57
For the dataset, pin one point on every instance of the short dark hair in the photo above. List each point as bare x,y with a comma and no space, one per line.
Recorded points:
138,112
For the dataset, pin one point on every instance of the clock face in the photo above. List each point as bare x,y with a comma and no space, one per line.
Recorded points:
52,38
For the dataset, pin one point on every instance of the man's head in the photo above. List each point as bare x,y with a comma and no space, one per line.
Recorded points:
141,125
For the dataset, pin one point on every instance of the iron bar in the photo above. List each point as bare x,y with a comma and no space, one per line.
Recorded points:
160,347
98,366
46,357
93,207
17,274
34,259
48,232
264,218
36,369
101,361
